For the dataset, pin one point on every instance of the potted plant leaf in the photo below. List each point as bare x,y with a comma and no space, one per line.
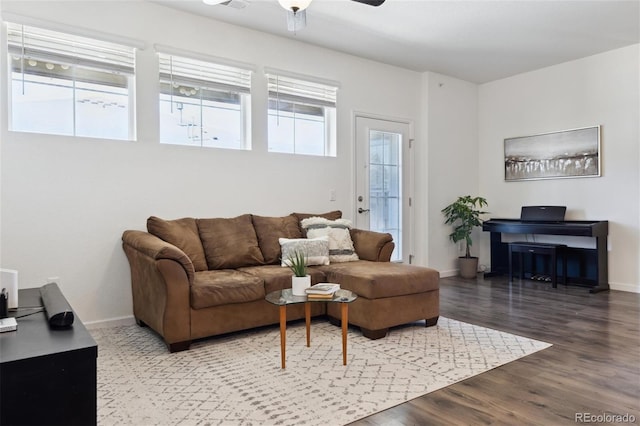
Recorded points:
464,215
300,281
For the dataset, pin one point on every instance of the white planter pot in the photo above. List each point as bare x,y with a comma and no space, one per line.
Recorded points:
300,284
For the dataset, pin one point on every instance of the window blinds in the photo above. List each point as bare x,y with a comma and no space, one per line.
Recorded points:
177,70
37,44
292,89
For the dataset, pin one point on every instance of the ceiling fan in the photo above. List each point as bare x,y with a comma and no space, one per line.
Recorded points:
296,13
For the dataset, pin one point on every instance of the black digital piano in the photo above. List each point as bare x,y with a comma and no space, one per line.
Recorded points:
585,266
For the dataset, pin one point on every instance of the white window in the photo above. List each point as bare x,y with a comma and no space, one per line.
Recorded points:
64,84
204,103
302,115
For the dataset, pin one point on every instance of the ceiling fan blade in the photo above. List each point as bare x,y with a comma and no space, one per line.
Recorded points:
370,2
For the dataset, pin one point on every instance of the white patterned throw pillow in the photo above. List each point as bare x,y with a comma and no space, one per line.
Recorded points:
340,244
315,250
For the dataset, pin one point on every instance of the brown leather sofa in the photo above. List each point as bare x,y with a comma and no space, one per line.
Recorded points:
195,278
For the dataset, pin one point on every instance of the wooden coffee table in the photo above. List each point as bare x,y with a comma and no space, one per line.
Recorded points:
283,298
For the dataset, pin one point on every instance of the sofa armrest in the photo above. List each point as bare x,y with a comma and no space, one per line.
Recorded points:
155,248
373,246
161,275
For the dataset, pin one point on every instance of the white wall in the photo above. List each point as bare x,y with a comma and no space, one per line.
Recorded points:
601,89
450,111
66,201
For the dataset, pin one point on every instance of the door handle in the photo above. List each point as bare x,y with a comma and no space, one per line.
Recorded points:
361,210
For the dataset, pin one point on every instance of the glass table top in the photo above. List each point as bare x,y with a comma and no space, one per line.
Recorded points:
285,297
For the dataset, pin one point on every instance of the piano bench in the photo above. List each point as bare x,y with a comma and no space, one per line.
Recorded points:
546,249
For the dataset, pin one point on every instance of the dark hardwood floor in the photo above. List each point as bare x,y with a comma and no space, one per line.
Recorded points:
593,366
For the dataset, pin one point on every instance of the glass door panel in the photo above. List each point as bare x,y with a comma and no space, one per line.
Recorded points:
382,173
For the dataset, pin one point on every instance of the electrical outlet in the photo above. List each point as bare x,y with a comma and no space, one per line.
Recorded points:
53,280
332,195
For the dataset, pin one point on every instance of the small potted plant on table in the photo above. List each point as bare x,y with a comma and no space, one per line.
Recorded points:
300,281
464,215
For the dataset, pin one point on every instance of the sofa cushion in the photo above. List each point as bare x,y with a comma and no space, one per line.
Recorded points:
182,233
332,215
340,245
230,243
375,280
315,250
369,244
270,229
224,286
276,277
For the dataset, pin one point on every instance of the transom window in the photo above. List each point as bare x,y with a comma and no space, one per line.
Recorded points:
204,103
75,86
301,115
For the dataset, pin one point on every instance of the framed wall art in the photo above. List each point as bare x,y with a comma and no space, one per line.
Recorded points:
565,154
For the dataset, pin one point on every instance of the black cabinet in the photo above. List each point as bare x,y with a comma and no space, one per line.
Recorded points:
47,376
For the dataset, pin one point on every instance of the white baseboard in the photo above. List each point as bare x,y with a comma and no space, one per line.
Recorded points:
625,287
450,273
112,322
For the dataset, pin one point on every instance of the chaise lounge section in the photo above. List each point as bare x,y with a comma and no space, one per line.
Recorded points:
197,278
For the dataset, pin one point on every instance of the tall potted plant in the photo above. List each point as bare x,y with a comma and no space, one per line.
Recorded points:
464,215
300,281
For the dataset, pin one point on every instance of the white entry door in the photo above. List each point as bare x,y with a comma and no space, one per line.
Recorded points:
382,181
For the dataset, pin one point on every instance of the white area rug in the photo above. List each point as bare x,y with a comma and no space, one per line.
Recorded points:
237,379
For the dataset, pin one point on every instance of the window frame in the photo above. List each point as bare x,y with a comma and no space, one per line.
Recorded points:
300,89
214,77
50,43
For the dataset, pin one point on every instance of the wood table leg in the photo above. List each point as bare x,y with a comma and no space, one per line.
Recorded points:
345,325
283,333
307,319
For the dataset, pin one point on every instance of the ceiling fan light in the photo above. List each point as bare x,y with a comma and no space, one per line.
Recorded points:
213,2
295,5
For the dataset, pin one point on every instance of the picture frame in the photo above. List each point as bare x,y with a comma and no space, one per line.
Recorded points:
573,153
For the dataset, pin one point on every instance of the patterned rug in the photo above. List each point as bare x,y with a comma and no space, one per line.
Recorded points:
237,379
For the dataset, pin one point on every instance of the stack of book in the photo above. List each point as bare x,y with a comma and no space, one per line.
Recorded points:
322,291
